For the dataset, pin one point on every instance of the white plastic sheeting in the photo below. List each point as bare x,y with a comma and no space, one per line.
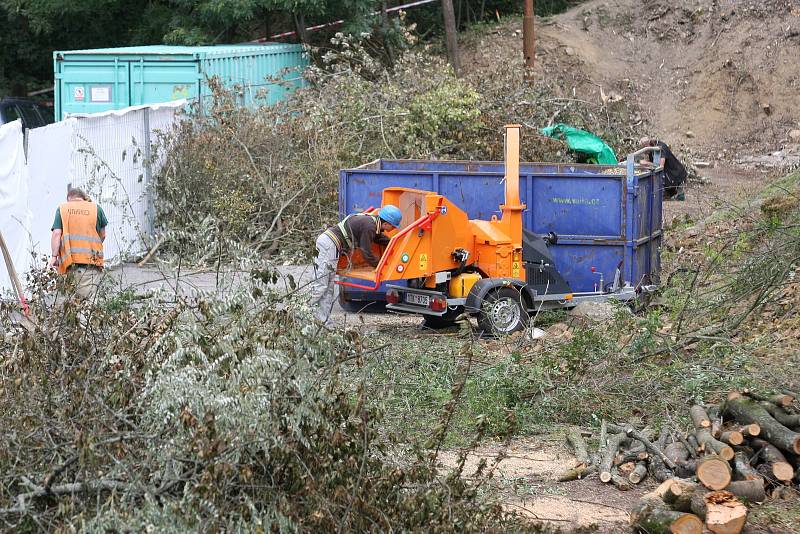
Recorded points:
106,154
109,158
15,216
48,162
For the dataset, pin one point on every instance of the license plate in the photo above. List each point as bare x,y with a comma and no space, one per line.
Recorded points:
420,300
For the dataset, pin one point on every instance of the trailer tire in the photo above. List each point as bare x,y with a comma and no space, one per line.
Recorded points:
502,311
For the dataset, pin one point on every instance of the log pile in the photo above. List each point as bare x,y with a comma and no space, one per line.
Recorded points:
735,455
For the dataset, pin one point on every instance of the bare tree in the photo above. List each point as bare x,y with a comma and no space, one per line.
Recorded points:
451,35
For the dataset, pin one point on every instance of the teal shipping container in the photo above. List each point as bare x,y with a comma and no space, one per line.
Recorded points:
90,81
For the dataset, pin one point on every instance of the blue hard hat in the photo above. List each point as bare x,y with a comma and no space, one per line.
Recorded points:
391,214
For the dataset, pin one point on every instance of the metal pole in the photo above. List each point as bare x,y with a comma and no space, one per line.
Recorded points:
148,174
528,39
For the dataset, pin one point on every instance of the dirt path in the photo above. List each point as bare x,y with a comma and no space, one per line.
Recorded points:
527,481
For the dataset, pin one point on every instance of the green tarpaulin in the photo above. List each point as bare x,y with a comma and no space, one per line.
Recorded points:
583,142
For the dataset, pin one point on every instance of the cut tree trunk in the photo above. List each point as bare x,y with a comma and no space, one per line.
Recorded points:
652,517
692,439
780,415
692,449
747,411
725,514
631,456
750,490
578,445
619,481
743,469
780,399
608,455
656,450
711,445
678,453
585,466
731,437
716,420
713,472
603,436
578,472
751,430
657,469
774,464
679,494
699,417
639,473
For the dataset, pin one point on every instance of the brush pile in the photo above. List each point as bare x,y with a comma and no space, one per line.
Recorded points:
737,453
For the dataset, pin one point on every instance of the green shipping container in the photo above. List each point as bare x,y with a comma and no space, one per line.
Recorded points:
89,81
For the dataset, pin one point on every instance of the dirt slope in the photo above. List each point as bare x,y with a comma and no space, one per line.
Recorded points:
718,80
712,75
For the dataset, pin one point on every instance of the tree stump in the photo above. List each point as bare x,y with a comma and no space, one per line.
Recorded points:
725,514
713,472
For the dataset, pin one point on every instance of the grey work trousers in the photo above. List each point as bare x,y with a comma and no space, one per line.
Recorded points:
322,289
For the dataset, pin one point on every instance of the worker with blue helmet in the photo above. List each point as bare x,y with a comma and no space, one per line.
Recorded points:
358,231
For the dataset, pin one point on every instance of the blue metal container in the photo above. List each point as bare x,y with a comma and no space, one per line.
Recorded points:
601,219
89,81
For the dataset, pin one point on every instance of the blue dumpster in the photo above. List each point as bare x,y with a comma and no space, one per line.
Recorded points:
604,218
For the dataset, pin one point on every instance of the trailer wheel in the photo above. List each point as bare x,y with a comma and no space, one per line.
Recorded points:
502,312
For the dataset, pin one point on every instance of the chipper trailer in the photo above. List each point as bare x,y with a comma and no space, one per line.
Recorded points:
451,265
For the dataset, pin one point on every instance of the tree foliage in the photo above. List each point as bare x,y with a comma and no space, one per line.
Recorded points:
30,30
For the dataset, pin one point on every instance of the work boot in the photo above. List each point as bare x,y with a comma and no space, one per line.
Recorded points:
680,196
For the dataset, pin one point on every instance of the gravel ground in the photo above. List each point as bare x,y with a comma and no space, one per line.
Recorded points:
191,283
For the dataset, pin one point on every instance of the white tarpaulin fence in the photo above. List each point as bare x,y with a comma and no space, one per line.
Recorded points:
15,216
107,154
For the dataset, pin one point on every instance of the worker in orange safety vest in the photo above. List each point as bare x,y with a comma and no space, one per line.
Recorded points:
76,241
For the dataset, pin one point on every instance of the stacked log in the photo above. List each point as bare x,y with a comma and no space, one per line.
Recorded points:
735,455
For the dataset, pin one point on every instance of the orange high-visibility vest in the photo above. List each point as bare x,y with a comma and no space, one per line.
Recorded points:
80,242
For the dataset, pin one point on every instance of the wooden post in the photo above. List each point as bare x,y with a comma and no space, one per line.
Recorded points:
528,39
451,35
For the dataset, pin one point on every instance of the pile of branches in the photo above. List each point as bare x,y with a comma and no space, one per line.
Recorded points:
737,452
217,414
265,180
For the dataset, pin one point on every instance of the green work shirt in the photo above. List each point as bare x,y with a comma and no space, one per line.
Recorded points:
102,222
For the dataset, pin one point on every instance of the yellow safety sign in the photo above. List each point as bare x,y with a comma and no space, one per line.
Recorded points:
515,269
423,262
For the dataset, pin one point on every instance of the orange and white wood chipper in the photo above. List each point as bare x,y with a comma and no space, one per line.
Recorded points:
493,269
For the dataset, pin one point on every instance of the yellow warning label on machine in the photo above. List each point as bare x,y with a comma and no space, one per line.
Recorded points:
423,262
515,269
